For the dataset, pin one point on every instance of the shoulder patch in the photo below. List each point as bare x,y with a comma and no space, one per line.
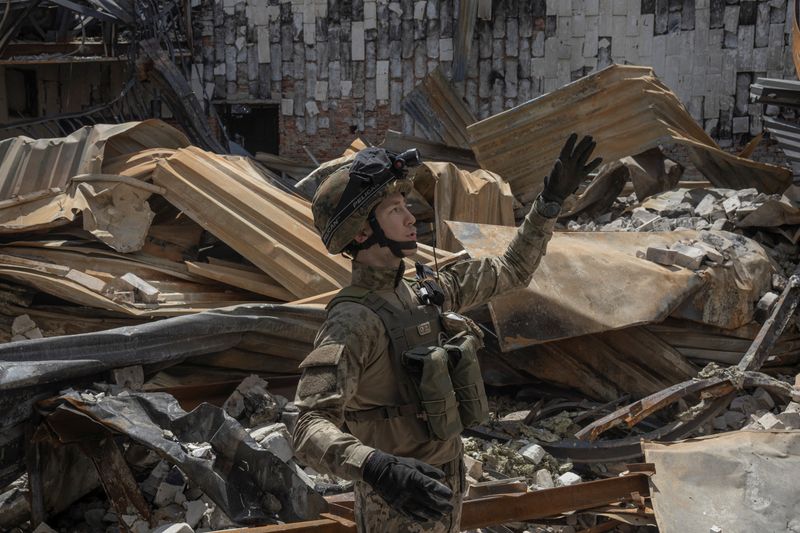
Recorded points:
327,355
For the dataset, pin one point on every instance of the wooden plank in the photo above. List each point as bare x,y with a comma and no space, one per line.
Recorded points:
251,281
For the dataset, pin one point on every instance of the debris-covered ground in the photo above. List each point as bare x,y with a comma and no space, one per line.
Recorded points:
156,304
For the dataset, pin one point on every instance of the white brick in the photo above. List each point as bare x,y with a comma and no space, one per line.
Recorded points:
382,80
312,109
262,35
321,91
445,49
357,41
419,10
370,15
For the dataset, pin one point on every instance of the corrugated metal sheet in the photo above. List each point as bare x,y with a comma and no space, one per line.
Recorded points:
788,137
442,115
776,92
29,166
627,110
594,282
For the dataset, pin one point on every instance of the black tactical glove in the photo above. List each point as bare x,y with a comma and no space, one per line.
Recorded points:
570,169
409,486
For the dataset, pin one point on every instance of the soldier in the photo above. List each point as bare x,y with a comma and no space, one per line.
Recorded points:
393,362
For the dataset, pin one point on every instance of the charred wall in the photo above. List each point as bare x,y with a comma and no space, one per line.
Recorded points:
338,69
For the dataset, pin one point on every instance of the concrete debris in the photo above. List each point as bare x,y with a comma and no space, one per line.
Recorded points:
203,239
253,404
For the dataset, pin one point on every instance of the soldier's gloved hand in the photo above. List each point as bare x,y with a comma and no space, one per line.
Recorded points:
408,485
570,169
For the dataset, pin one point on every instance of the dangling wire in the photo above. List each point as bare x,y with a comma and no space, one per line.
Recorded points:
435,261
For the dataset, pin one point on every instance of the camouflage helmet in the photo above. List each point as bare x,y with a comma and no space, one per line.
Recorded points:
344,201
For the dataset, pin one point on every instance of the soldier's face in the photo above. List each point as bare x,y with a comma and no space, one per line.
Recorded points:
396,220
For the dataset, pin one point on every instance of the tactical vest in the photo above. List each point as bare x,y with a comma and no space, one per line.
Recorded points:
437,371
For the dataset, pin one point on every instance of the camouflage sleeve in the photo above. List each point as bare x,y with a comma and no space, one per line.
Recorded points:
470,283
346,343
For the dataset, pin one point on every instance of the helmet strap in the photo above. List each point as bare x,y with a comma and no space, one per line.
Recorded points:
396,247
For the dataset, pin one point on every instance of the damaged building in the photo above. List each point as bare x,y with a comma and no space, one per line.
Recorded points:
161,278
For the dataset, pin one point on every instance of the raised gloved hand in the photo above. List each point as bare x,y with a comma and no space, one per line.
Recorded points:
408,485
570,169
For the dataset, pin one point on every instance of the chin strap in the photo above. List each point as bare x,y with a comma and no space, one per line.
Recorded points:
379,237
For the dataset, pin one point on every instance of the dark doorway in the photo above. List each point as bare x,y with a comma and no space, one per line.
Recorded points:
253,126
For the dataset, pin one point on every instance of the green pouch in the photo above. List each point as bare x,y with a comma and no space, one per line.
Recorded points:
428,369
465,374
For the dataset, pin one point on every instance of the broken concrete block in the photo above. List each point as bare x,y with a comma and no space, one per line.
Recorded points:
543,479
44,528
203,451
763,398
252,403
144,290
90,282
711,253
734,419
745,404
473,467
708,207
747,195
792,407
789,420
150,485
169,488
194,512
770,421
764,307
35,333
570,478
662,256
131,377
715,529
641,216
687,256
723,224
731,205
22,324
716,240
533,452
516,416
279,443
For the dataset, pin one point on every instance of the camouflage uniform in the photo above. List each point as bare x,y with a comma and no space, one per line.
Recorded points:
350,369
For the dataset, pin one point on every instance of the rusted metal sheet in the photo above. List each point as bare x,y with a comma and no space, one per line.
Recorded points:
583,285
115,475
785,308
29,166
500,509
593,282
551,502
627,110
441,114
271,228
736,481
716,387
479,196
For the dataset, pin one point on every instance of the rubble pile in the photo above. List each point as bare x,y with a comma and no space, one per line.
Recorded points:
159,299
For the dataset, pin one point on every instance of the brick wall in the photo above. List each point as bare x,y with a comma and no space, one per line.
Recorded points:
339,69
